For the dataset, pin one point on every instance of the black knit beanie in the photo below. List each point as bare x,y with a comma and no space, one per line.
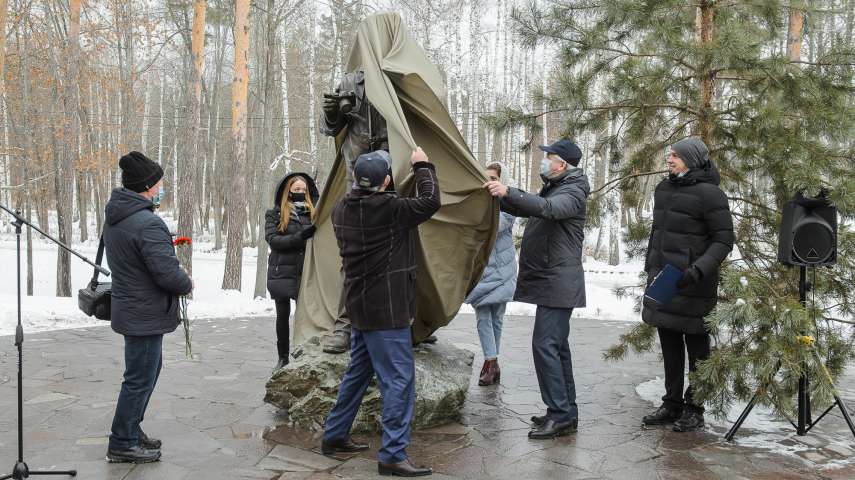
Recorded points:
139,173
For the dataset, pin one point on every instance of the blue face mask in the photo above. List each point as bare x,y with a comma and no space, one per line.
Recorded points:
545,167
159,197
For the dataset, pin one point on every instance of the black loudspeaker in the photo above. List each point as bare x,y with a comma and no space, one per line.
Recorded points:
808,235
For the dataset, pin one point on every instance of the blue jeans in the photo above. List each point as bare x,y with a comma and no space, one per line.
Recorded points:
143,362
389,354
490,328
553,363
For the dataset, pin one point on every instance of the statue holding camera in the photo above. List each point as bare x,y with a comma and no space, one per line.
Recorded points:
348,110
349,107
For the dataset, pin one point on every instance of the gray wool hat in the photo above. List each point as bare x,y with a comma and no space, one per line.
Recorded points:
693,151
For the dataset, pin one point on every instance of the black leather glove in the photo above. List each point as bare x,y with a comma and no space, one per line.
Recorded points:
690,277
331,108
308,232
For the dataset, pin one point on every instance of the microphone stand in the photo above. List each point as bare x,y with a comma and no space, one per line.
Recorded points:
21,470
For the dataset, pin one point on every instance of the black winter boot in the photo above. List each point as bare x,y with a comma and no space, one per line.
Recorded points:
662,416
149,443
135,454
691,420
281,348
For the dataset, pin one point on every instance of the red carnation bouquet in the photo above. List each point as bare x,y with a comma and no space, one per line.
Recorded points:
183,317
180,241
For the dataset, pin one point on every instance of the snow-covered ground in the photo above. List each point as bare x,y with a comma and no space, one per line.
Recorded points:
44,311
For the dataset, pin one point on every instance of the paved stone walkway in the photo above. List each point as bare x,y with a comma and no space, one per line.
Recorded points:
209,413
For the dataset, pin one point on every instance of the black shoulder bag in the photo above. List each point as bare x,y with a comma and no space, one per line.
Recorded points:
94,300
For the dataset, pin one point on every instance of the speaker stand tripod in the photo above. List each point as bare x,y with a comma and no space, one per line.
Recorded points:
805,424
21,471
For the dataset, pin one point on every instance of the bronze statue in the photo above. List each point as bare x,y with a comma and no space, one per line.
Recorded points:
348,112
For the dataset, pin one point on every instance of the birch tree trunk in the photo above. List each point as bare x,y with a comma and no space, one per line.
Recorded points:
187,182
65,172
237,201
160,120
6,177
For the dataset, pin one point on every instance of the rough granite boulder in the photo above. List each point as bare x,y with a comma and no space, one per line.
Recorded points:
307,387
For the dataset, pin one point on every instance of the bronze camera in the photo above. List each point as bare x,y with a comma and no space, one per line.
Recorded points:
345,100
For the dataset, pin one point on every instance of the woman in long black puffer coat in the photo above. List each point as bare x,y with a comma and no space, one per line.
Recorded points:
288,226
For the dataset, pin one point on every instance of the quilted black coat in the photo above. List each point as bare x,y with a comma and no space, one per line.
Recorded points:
692,225
288,248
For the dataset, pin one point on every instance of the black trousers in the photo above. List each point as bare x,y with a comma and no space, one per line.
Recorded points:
675,345
553,362
283,330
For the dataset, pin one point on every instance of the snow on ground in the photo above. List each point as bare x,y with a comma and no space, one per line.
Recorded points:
762,429
600,281
44,311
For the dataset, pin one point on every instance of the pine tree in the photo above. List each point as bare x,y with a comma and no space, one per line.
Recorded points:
775,125
237,211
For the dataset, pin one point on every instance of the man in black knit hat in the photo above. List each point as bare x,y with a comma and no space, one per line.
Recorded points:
147,281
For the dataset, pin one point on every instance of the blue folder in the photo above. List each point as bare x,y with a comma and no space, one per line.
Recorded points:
663,288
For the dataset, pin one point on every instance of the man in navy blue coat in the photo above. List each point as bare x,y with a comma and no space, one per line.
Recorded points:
551,276
147,284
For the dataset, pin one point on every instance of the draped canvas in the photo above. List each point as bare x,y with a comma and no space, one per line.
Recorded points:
407,89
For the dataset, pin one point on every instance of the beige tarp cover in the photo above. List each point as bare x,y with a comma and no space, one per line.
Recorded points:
407,89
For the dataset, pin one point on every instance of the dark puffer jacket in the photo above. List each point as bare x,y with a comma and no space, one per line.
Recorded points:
288,248
551,272
692,225
147,278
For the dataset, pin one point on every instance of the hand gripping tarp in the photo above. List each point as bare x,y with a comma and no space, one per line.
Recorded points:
406,88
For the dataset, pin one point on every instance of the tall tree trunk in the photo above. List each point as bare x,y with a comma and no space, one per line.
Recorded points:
82,203
129,134
30,276
187,182
497,153
794,32
319,168
29,148
600,168
266,150
849,39
71,152
616,212
237,201
706,12
482,133
160,120
6,177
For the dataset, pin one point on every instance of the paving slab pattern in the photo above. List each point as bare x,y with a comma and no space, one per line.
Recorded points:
214,425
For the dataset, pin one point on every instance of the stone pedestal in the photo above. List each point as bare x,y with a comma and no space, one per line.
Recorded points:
308,386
